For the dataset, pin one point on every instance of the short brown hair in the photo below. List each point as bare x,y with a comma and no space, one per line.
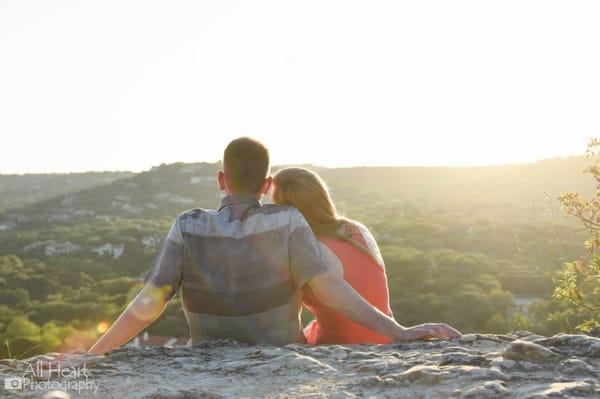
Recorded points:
246,164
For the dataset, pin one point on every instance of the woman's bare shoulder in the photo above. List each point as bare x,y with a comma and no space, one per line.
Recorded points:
369,240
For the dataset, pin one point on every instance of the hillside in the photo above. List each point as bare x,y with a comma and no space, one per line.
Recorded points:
168,189
19,190
451,237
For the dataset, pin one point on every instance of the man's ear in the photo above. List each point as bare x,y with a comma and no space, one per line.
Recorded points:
221,180
266,186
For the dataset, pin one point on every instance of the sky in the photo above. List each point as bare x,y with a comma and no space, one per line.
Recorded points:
126,85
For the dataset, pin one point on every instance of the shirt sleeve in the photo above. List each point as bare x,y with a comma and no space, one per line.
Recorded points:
166,272
306,258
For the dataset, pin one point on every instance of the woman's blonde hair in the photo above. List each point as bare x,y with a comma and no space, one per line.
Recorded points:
306,191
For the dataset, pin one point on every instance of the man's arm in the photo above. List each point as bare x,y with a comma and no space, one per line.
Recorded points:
333,291
146,307
161,284
309,266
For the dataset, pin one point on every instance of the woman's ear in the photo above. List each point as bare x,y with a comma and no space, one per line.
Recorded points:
264,190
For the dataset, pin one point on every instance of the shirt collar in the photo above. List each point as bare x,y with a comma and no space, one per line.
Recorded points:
239,199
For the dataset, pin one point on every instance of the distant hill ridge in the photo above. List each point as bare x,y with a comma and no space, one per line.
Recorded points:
18,190
170,188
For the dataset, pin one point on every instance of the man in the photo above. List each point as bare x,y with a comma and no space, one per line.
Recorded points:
241,269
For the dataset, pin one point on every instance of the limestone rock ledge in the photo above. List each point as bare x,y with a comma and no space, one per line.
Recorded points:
515,365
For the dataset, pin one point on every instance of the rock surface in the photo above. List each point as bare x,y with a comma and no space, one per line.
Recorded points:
515,365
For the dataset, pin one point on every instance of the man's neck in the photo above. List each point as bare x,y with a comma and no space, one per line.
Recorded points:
231,194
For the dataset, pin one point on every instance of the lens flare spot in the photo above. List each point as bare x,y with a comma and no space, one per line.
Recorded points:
102,327
133,291
151,303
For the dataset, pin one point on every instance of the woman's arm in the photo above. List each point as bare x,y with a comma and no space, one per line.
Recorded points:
146,307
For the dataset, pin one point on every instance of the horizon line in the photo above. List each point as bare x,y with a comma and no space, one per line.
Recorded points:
137,171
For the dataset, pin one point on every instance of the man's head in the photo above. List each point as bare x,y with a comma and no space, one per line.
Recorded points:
245,168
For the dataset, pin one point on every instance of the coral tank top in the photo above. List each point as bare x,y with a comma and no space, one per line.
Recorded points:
367,276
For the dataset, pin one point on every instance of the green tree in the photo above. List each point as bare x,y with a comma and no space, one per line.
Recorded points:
519,321
21,327
497,324
579,281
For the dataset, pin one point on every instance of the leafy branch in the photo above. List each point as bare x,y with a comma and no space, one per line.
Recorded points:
579,281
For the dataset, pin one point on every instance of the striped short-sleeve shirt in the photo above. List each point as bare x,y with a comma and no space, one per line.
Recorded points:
240,270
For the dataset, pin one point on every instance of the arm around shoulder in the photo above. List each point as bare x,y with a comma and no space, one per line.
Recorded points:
333,291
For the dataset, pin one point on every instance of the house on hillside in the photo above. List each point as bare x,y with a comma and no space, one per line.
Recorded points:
16,217
35,245
5,226
84,213
67,201
61,248
116,251
150,241
163,196
202,179
144,340
193,168
59,217
106,218
173,198
135,210
120,201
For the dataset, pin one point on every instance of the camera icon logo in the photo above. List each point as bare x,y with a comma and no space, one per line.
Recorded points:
14,383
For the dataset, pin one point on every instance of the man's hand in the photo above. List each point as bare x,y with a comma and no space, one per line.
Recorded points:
428,331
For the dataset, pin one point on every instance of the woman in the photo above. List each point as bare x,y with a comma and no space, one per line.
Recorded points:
350,250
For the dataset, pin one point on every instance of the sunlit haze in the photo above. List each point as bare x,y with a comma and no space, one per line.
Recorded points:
125,85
